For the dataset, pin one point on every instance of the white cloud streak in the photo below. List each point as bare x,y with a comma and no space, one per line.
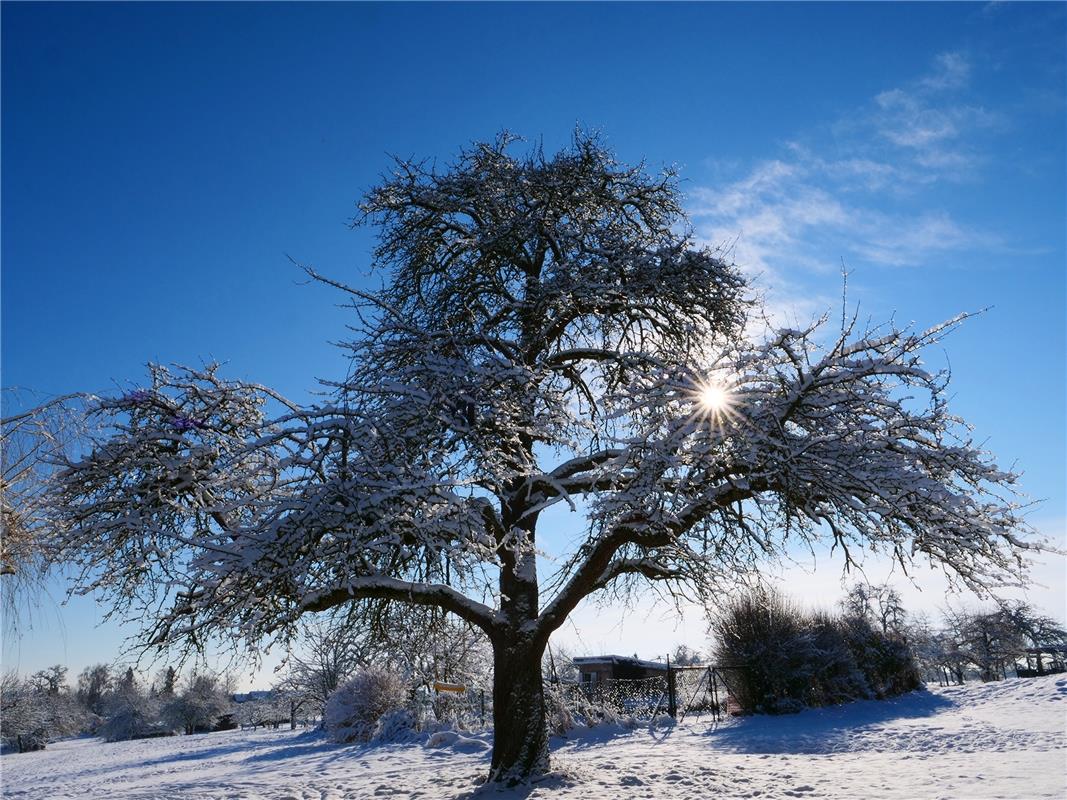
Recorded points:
861,193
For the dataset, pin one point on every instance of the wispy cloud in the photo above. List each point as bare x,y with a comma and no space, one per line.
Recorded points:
857,190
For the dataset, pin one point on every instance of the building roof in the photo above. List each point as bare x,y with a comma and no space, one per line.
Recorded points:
613,659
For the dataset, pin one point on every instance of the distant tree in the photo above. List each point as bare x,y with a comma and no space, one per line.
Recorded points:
325,655
548,332
130,711
949,647
94,683
262,711
684,656
50,681
435,646
993,641
922,639
881,604
198,706
38,710
558,665
23,717
1037,629
166,683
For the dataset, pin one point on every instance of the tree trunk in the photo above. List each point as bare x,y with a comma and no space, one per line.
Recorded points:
520,730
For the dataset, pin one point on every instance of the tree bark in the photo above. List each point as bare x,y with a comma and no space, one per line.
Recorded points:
520,729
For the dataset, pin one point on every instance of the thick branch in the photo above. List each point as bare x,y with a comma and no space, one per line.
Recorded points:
425,594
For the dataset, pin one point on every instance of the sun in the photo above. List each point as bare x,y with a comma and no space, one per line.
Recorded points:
715,401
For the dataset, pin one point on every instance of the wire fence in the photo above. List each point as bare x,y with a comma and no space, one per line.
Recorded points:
678,692
468,708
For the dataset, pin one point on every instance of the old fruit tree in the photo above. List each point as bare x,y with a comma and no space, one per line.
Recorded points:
547,332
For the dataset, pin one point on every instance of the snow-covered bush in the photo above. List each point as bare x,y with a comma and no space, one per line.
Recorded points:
354,709
131,713
395,726
839,677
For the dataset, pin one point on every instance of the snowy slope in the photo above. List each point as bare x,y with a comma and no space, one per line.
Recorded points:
980,741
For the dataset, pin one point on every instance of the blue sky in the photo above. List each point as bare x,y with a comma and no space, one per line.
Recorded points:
161,163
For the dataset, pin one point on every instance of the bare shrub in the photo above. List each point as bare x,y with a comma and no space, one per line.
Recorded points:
777,659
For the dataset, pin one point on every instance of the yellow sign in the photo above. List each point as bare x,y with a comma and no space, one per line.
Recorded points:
448,687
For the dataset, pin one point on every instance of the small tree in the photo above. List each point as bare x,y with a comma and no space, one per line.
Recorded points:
166,683
993,641
325,655
548,332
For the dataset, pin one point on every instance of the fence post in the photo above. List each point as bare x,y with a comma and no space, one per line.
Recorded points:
672,704
714,693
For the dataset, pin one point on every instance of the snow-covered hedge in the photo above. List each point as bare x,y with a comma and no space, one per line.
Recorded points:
777,658
355,708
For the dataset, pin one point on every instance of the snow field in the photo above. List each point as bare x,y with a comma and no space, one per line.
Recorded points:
997,740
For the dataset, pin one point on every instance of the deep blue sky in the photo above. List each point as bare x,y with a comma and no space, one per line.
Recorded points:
160,162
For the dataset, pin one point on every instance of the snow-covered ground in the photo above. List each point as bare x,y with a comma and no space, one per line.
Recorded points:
980,741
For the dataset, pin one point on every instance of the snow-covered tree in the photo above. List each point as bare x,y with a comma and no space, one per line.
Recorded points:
50,681
130,711
94,683
326,654
684,656
992,641
548,332
433,646
879,603
166,683
23,717
270,709
198,706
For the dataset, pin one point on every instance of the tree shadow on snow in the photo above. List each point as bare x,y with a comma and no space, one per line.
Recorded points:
822,730
580,738
266,749
549,784
312,745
